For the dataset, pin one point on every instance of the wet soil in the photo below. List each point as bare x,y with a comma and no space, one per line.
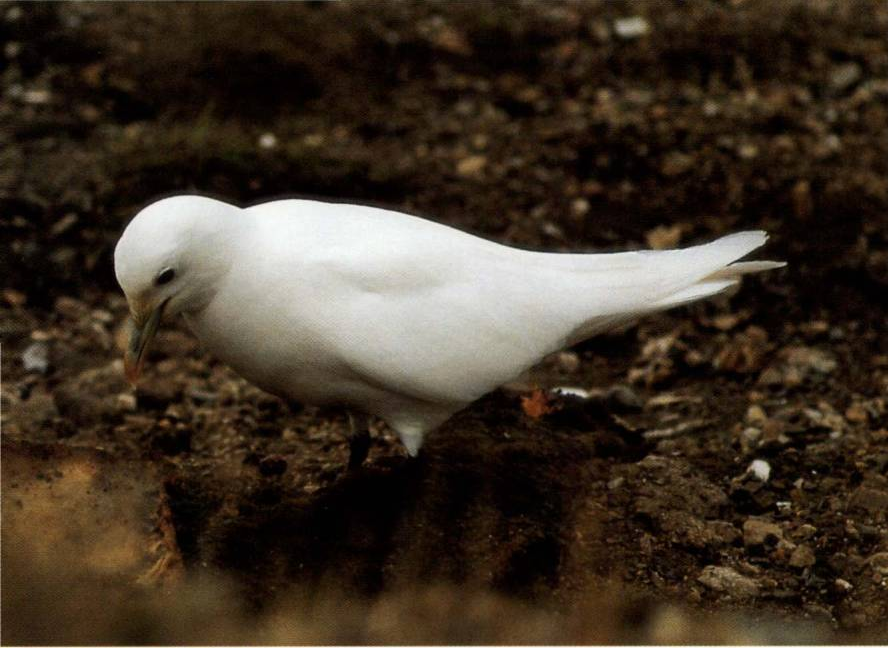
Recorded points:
199,509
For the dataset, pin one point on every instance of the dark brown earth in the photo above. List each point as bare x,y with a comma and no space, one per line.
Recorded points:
198,509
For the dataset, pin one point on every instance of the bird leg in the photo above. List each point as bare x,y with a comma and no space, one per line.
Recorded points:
358,440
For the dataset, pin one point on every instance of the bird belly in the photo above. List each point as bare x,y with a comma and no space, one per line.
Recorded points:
282,365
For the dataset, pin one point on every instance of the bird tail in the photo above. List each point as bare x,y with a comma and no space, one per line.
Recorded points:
644,282
715,254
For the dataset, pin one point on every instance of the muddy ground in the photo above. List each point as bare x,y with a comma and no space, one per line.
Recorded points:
199,509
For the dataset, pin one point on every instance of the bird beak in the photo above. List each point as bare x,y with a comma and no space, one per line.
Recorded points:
143,329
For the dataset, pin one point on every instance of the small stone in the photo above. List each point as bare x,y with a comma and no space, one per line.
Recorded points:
844,76
760,469
36,97
580,207
268,141
752,435
879,563
12,49
676,163
565,390
272,465
803,556
126,402
728,581
631,27
36,358
755,415
471,166
856,413
748,151
843,586
805,532
615,483
758,532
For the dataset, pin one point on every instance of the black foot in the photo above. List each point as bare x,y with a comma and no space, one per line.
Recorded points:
358,447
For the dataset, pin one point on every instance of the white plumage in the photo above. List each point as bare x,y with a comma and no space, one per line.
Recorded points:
389,314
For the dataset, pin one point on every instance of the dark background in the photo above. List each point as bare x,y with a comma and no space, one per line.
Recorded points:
546,125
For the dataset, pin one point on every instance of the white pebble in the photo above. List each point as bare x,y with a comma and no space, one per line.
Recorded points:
268,141
761,469
36,357
571,391
632,27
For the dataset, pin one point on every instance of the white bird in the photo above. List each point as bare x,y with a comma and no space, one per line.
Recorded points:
388,314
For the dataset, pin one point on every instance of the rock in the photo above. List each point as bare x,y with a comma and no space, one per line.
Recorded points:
471,166
751,435
566,390
756,415
842,586
728,581
869,499
745,353
757,532
879,563
675,164
856,413
721,533
267,141
797,364
126,402
760,469
631,27
36,358
805,531
803,556
844,76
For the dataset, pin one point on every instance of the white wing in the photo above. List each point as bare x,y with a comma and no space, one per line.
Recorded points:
435,314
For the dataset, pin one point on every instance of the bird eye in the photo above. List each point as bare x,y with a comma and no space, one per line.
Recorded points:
165,276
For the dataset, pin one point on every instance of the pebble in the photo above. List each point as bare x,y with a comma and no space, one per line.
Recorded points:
845,75
803,556
805,531
843,586
36,358
126,402
564,390
758,532
268,141
728,581
36,97
879,563
755,415
471,166
760,469
631,27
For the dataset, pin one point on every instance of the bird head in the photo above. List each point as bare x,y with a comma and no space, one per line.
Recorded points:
168,261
